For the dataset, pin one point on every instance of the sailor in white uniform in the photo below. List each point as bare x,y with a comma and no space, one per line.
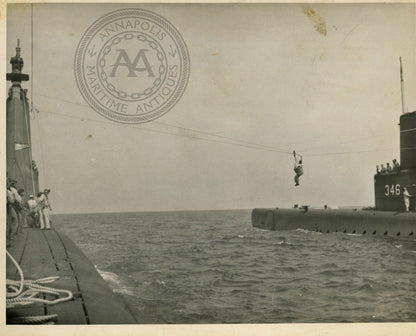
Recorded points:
406,199
47,207
39,201
33,211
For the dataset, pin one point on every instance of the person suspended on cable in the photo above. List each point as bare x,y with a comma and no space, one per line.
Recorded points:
298,167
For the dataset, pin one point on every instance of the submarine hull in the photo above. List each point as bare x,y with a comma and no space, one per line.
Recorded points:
353,221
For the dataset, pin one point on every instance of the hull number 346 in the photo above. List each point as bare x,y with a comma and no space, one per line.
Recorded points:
392,190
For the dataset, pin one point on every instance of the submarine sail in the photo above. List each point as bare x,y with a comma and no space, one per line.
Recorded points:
388,186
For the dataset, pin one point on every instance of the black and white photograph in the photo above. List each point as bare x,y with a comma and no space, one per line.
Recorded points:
216,164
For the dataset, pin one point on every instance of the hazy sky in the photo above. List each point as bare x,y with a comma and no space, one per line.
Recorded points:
323,84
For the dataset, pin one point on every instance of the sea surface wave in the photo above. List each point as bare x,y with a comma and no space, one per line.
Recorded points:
214,267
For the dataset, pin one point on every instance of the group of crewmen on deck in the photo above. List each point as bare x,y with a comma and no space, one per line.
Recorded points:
20,213
395,167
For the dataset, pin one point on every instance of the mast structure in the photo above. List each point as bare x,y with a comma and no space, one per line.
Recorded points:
20,166
402,86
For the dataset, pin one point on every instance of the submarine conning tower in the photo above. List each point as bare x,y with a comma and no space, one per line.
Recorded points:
388,186
408,140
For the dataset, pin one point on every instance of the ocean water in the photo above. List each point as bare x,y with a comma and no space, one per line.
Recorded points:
214,267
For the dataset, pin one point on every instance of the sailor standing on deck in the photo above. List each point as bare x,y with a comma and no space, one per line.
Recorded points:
45,209
298,168
11,212
18,206
40,205
406,198
396,165
47,206
33,211
24,209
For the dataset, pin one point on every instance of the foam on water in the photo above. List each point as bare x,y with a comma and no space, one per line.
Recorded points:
303,230
109,277
115,283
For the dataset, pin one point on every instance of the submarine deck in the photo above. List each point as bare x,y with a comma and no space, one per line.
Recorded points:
353,221
44,253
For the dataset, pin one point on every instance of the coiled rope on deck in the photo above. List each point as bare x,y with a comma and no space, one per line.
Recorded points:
44,319
26,292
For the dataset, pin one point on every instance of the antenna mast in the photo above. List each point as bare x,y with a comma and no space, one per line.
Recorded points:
402,85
